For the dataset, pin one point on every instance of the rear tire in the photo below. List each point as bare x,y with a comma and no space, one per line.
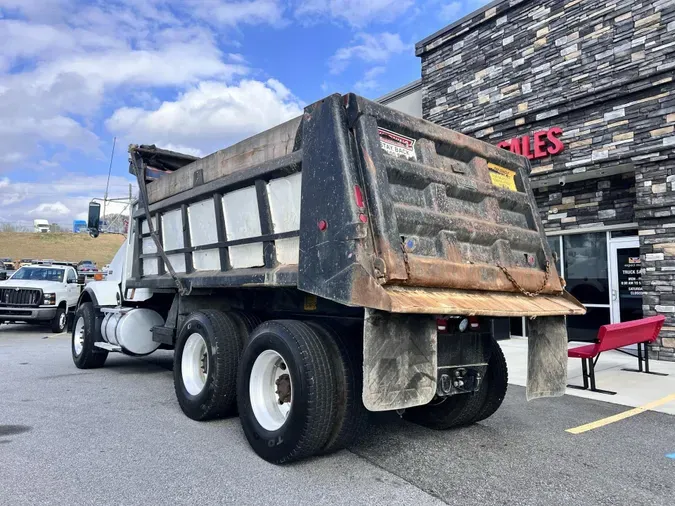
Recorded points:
295,420
351,418
205,364
447,412
60,321
87,331
465,409
247,322
495,383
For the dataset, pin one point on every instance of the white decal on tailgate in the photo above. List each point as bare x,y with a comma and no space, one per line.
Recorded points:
397,144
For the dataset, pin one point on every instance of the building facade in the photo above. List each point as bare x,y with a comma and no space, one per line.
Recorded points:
584,89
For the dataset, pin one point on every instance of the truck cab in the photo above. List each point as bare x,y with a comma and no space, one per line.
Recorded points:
40,226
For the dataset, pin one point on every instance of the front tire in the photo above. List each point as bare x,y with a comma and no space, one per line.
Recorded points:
86,331
286,391
60,321
205,364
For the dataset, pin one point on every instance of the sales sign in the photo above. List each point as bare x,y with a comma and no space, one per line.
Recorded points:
537,145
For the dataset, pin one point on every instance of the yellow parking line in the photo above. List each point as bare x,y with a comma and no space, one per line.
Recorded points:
621,416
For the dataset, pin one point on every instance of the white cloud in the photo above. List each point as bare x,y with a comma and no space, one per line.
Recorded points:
369,81
60,200
357,13
58,70
209,116
57,209
252,12
368,48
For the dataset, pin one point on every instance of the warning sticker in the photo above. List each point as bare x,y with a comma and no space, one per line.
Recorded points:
397,144
503,178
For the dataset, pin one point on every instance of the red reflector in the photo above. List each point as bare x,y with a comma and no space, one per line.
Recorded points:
358,195
441,324
363,218
323,225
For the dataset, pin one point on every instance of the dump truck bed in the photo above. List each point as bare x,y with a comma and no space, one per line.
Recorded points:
359,204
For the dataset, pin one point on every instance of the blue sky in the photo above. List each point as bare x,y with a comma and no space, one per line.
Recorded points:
189,75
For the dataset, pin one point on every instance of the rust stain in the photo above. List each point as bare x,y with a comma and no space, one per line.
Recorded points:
434,272
370,165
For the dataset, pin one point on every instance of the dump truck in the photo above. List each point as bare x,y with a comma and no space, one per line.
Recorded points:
301,277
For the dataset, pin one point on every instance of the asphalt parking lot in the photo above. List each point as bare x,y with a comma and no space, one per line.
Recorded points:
117,435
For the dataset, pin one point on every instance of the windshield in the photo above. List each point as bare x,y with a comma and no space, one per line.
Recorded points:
38,274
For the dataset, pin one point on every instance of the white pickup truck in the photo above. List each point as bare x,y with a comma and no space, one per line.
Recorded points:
40,294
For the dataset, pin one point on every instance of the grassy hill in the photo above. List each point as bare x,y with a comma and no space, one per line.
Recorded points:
60,246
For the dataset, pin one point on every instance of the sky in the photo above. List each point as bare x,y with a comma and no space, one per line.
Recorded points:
190,75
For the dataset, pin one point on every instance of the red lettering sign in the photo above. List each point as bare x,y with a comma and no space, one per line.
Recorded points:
538,145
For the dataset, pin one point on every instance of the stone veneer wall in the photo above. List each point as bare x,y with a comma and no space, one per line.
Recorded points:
602,70
589,203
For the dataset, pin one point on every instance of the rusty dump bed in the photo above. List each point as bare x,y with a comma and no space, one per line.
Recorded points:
388,212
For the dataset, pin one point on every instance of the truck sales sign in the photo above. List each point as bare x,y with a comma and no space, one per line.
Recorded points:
537,145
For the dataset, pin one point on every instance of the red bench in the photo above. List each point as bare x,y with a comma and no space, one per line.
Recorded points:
612,337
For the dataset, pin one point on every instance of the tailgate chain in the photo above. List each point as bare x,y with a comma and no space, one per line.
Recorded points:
547,273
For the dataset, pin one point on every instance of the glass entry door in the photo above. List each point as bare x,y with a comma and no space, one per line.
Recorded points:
626,279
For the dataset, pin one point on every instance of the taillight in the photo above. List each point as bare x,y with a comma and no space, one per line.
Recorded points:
473,322
441,324
358,195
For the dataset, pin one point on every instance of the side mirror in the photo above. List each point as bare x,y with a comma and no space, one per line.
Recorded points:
94,219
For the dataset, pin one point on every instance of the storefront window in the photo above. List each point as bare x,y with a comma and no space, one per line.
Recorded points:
586,267
585,328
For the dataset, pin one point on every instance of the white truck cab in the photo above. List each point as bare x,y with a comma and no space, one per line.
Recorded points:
41,294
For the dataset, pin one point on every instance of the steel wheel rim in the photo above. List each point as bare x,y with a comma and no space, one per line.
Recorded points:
194,364
62,321
78,336
270,376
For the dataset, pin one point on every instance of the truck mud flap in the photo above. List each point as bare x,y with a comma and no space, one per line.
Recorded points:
547,357
399,360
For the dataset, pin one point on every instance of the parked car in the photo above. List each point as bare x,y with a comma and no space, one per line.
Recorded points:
87,266
25,261
6,267
40,294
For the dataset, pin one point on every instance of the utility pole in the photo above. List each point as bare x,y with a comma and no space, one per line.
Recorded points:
107,184
131,208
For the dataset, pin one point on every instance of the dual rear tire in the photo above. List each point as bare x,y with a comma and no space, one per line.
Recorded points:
297,389
297,385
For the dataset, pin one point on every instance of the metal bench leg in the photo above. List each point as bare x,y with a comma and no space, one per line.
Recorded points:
591,365
644,357
584,371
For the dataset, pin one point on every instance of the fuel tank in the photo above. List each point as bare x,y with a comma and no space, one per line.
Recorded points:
131,330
